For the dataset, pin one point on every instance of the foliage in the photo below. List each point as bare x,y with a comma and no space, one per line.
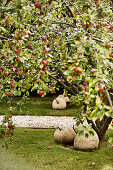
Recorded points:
65,42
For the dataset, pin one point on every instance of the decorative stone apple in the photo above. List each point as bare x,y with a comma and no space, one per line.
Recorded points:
64,134
86,143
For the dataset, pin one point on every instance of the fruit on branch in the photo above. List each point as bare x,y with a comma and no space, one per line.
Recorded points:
46,68
42,72
17,59
41,92
108,46
105,24
45,62
60,42
101,88
75,69
83,88
29,46
92,71
66,67
111,55
16,51
37,5
97,26
84,83
8,132
44,38
46,50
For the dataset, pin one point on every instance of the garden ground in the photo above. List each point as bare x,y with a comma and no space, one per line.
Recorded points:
28,148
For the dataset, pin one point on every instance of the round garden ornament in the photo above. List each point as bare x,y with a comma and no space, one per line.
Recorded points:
64,135
86,143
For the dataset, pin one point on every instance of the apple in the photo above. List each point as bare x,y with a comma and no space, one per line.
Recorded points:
11,110
111,55
101,88
87,25
10,115
108,46
40,13
3,57
60,42
111,27
29,46
84,83
49,148
12,85
17,33
97,2
93,163
37,5
10,93
25,33
97,26
17,59
105,24
44,38
16,51
46,50
92,71
8,132
44,62
66,67
73,78
0,71
69,14
46,68
9,125
83,88
41,92
42,72
112,146
75,69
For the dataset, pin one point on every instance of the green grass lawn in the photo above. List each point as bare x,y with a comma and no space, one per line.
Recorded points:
38,106
29,151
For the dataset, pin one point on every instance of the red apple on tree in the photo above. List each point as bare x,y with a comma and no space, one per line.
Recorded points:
42,72
84,83
8,132
44,38
41,92
44,62
75,69
46,68
101,88
17,59
92,71
29,46
16,51
60,42
37,5
46,50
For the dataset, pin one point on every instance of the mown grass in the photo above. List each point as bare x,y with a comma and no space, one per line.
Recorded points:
38,106
28,150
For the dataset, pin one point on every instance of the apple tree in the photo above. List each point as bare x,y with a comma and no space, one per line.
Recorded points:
70,43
